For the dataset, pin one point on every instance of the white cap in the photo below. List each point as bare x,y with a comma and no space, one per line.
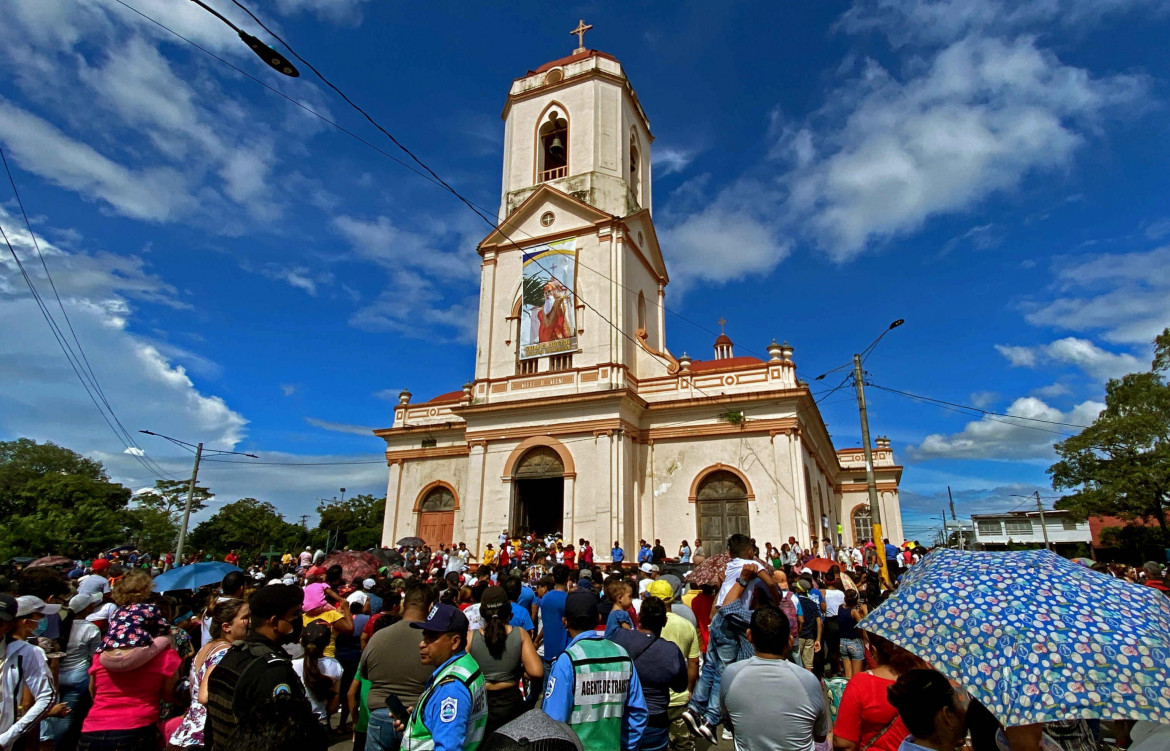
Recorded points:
83,601
275,581
289,579
368,584
27,605
647,568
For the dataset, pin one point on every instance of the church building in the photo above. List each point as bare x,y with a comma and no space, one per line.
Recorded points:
579,419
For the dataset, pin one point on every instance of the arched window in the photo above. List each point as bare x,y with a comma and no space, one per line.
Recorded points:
814,521
862,525
635,170
553,138
438,499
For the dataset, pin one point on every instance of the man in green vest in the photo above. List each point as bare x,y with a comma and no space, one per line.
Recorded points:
593,685
451,713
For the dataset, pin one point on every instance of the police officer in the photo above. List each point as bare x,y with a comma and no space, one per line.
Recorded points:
593,686
451,712
256,669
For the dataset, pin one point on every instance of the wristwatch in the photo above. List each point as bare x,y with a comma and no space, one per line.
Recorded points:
742,581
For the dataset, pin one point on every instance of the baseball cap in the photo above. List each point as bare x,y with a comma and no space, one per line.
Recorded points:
368,583
443,619
8,607
581,604
80,602
648,567
661,589
27,605
101,564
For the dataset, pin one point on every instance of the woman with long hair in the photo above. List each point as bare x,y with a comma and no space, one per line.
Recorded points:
684,552
229,623
932,710
505,654
80,639
852,648
866,720
320,674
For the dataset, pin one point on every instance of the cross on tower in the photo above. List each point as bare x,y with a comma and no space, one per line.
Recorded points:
722,323
582,27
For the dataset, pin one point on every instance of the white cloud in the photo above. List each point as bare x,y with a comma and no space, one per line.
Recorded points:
721,243
1124,296
972,120
1052,391
388,395
342,12
669,160
983,399
42,396
341,427
1098,363
152,193
288,389
297,276
1005,439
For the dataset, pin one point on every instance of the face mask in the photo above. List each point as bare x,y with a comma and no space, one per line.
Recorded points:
42,627
293,636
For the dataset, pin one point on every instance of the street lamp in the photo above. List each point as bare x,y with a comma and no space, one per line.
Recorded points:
271,57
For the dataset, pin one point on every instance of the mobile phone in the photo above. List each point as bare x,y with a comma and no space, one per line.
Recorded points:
397,709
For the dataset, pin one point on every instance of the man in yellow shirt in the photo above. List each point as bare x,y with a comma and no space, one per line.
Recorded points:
489,555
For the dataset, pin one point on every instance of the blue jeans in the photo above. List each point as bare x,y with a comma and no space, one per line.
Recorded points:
655,739
380,732
722,650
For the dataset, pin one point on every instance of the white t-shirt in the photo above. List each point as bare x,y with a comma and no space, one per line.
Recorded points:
93,584
834,598
103,612
84,640
358,596
734,567
330,668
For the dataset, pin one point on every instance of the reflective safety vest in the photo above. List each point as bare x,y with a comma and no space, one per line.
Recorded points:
601,684
465,670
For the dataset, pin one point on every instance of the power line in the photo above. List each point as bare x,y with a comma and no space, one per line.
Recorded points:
80,365
977,410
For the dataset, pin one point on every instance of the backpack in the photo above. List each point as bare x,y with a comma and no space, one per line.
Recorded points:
788,607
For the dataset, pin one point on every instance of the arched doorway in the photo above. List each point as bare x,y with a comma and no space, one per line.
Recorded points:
538,492
722,500
862,525
436,516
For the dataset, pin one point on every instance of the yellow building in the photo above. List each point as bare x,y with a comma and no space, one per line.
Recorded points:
579,419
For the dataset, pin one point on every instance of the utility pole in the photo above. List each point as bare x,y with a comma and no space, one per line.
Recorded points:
1043,527
870,481
962,534
305,521
187,507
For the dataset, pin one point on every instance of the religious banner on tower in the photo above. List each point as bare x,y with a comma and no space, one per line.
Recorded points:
548,321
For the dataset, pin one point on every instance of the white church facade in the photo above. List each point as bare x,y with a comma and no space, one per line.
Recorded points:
579,419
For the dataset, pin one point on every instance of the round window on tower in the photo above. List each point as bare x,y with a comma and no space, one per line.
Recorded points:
547,218
556,75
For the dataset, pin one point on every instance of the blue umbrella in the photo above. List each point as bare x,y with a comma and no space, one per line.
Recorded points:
1035,637
194,576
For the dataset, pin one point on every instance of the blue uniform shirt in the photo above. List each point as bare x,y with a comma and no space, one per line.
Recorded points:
558,696
618,555
449,732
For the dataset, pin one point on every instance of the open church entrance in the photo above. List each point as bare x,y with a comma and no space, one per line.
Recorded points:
538,492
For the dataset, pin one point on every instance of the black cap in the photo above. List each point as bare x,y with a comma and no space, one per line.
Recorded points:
582,604
8,607
443,619
275,600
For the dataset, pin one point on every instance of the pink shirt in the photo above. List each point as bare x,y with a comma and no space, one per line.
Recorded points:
129,700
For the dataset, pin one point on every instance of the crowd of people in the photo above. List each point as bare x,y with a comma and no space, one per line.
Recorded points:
534,638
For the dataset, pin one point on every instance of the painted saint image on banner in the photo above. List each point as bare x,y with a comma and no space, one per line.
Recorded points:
548,323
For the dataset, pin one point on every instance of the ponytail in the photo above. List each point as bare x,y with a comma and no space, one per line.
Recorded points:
314,640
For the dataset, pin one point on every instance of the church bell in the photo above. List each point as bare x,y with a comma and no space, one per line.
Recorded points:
557,147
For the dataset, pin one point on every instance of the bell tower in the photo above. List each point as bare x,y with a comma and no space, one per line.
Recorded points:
576,124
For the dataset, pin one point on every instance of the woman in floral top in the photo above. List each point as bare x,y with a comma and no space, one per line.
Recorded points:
229,623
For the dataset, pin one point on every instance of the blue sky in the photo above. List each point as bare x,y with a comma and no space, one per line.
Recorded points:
240,272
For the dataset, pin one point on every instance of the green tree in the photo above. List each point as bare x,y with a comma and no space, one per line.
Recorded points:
24,461
1120,465
170,497
356,523
247,526
78,531
155,517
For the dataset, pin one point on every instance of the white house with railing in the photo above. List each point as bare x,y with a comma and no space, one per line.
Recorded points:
995,531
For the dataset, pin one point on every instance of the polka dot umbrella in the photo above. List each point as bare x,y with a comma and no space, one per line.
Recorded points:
1034,637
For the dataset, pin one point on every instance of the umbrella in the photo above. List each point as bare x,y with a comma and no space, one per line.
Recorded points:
710,571
193,576
1084,561
52,560
821,564
410,542
354,564
1036,638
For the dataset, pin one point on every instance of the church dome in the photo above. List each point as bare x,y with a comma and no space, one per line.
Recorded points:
723,339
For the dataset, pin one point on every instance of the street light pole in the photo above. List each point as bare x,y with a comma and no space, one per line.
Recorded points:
187,507
1043,526
271,57
870,482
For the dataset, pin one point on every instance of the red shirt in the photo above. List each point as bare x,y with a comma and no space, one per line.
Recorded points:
569,557
232,558
1158,585
128,700
865,711
701,607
